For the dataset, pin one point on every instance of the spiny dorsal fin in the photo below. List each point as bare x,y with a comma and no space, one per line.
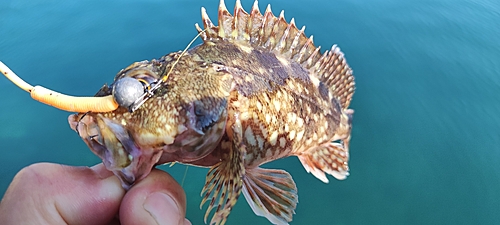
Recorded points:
284,39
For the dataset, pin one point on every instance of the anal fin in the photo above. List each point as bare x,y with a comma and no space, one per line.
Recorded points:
330,158
271,193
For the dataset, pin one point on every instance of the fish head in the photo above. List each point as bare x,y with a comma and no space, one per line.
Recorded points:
182,120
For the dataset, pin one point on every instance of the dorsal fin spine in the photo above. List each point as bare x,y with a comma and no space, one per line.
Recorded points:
304,50
254,25
278,32
281,45
313,58
296,41
211,30
203,35
267,27
291,32
225,21
240,19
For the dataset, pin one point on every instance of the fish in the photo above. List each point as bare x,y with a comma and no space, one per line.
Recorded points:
256,90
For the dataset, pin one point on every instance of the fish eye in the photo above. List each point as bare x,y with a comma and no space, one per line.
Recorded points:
127,90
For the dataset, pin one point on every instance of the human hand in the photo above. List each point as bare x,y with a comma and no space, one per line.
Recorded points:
47,193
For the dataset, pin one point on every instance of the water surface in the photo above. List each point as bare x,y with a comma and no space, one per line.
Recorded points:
425,145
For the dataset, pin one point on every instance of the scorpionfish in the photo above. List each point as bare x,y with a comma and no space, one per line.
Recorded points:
256,90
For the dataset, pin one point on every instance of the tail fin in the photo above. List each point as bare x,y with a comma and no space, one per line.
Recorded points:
271,193
330,158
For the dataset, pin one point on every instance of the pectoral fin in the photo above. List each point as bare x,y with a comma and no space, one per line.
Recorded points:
223,184
271,193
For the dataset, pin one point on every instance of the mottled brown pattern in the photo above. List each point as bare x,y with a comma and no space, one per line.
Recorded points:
256,90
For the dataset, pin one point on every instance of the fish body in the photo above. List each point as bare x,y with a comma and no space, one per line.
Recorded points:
256,90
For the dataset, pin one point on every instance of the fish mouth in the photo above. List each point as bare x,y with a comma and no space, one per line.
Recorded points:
115,146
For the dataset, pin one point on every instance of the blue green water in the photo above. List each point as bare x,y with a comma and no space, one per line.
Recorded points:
426,137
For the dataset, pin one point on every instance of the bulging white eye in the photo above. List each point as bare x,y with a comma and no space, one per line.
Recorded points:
127,90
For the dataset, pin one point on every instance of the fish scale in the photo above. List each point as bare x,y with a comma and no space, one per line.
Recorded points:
256,90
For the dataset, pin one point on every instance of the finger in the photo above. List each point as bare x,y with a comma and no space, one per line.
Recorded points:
101,171
56,194
157,199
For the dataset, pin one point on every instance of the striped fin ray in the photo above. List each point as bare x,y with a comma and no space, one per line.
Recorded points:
332,69
330,158
271,193
223,186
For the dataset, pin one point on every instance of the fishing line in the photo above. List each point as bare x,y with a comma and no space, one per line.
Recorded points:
184,177
150,92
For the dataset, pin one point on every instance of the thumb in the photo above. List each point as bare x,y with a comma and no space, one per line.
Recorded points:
156,199
56,194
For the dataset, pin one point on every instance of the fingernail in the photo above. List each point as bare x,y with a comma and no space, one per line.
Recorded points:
111,188
164,209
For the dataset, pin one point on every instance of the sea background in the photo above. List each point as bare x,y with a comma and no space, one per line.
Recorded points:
425,145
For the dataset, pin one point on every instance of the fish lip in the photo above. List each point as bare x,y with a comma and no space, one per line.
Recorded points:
116,148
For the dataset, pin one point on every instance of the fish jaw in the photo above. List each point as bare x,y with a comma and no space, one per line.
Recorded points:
118,151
